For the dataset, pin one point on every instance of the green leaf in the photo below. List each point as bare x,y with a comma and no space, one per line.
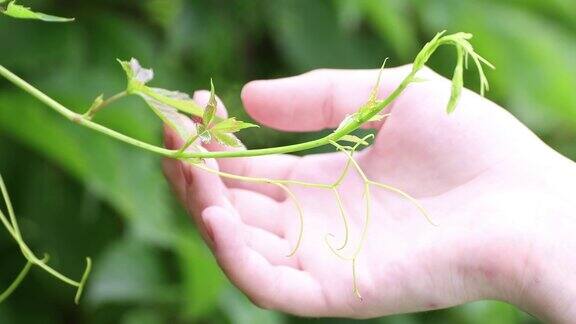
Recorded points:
176,99
222,131
17,11
210,110
225,138
169,115
203,133
232,125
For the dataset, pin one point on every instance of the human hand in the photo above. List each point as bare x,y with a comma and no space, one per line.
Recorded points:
497,193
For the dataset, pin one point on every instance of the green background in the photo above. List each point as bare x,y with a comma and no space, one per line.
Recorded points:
78,193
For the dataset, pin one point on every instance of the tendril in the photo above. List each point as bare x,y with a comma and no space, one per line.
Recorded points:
11,225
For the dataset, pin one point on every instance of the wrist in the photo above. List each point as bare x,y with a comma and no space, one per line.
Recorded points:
543,280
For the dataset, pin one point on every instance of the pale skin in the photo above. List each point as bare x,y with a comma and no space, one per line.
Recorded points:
501,198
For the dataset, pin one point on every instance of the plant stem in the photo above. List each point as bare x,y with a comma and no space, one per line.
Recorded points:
82,120
78,118
460,40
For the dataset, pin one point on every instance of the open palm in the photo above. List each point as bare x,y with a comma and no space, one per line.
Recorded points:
461,167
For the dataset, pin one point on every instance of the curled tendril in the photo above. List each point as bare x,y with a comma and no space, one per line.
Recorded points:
345,221
11,225
298,206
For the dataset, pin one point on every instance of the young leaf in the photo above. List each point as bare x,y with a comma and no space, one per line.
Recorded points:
203,133
222,131
169,116
18,11
232,125
210,110
176,99
226,138
137,75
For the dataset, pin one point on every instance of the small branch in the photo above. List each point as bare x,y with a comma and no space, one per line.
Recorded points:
95,109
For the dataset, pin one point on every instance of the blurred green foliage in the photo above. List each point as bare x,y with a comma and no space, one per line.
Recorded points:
78,193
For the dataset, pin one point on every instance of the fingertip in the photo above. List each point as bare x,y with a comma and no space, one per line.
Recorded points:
210,217
221,226
254,96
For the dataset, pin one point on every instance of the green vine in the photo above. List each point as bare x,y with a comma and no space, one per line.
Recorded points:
176,108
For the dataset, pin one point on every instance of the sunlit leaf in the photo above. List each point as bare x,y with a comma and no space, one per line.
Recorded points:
18,11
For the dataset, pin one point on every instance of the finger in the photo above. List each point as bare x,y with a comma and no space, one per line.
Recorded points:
276,287
319,99
258,210
273,167
196,188
272,247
